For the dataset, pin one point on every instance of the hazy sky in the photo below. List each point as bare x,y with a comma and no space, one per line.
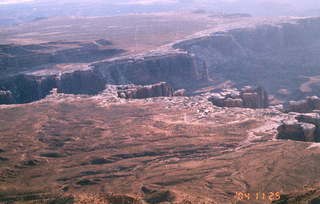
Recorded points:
254,7
149,2
13,1
146,1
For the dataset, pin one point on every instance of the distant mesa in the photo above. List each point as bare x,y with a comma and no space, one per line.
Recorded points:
103,42
247,97
16,58
231,15
237,15
199,11
39,18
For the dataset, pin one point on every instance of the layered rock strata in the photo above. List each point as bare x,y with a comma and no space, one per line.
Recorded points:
179,70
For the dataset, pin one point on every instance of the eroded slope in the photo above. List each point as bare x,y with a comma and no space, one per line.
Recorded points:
197,151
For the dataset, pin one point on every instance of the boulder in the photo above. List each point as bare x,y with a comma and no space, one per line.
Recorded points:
298,131
304,127
139,92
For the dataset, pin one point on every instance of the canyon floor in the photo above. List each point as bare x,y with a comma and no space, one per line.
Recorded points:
177,150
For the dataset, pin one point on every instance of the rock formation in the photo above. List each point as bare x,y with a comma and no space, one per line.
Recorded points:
236,53
138,92
179,70
247,97
303,106
305,127
295,130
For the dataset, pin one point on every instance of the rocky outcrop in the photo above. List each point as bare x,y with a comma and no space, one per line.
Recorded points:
247,97
298,131
138,92
303,106
6,97
305,127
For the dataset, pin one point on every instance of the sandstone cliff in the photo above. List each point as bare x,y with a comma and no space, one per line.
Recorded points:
179,70
28,88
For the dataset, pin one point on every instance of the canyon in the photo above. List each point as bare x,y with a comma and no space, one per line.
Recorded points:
193,114
276,54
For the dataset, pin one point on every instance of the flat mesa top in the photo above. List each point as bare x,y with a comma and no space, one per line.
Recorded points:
135,33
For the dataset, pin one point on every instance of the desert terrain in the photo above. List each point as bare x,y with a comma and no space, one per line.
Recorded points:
80,122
